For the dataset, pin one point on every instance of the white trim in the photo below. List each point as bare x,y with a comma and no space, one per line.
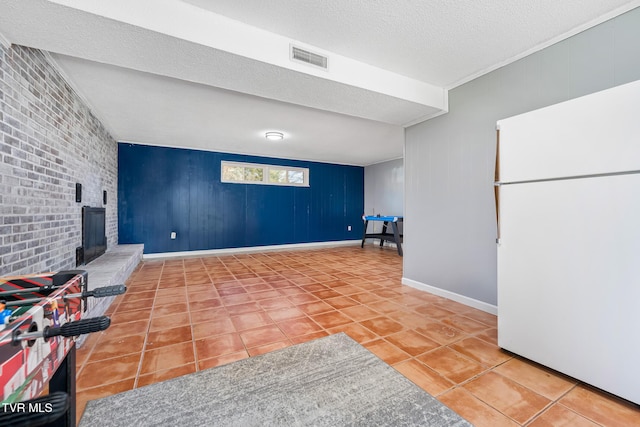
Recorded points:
424,118
445,110
252,249
388,160
480,305
580,28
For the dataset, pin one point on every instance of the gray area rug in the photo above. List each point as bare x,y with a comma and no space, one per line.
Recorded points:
331,381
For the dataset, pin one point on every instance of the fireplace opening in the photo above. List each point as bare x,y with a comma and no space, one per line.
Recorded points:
94,240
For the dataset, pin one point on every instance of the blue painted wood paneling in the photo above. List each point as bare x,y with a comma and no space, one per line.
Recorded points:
161,190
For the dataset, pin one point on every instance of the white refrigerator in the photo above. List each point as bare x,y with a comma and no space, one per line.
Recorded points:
568,208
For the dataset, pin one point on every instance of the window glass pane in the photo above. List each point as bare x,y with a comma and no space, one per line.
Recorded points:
277,175
232,173
296,177
253,174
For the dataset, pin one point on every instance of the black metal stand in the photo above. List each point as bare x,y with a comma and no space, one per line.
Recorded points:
64,379
394,237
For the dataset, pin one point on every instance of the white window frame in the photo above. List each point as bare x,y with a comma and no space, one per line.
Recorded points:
265,174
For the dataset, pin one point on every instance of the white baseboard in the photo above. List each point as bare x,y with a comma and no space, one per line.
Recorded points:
252,249
471,302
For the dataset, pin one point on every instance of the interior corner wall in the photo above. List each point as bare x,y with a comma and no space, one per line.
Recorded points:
450,217
384,188
49,141
165,190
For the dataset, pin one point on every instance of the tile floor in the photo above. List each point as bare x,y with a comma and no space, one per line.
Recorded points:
183,315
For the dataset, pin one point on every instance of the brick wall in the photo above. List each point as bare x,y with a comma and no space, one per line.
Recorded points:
49,141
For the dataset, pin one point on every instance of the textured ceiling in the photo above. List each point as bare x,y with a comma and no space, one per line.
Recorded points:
216,74
158,110
440,42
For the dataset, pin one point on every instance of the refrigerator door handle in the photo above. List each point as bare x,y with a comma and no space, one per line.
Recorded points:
496,191
496,185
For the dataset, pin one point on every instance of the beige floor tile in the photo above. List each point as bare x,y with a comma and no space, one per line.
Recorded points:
262,336
560,416
387,351
507,396
164,337
356,331
217,346
107,371
382,325
424,377
199,313
452,365
481,351
474,410
221,360
542,380
440,332
167,357
412,342
156,377
602,407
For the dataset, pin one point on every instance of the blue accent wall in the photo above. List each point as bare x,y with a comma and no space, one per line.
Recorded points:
161,190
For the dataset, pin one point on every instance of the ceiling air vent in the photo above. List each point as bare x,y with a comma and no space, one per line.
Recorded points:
302,55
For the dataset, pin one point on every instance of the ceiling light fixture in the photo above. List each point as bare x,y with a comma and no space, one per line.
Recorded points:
274,136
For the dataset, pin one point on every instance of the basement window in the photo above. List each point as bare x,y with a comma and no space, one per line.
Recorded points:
252,173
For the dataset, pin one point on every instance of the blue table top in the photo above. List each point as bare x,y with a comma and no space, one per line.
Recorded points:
382,218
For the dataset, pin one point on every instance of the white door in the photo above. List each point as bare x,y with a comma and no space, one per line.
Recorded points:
569,278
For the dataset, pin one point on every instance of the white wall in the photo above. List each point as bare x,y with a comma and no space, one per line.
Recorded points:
449,161
384,188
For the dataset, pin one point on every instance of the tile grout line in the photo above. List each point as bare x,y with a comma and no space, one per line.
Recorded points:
146,335
193,337
244,265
